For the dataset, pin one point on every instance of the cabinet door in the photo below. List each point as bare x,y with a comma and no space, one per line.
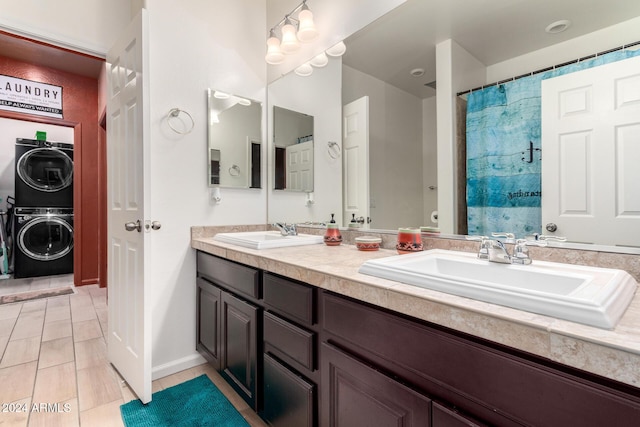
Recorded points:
355,394
446,417
289,399
208,333
239,346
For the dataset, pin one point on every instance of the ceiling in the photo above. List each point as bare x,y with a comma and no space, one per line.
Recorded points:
45,55
491,30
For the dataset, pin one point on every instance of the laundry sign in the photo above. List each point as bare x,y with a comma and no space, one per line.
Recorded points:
26,96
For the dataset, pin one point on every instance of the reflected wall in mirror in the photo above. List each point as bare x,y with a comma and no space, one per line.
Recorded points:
234,140
393,60
293,145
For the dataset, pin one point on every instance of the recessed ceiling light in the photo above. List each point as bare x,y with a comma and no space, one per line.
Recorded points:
558,26
417,72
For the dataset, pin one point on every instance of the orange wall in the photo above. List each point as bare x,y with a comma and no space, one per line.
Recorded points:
80,105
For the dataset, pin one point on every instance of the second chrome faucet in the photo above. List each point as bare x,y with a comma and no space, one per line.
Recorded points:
494,250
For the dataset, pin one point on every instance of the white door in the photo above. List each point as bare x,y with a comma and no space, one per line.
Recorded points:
591,154
300,166
355,160
129,335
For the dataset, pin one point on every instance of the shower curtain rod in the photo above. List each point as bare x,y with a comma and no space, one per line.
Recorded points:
553,67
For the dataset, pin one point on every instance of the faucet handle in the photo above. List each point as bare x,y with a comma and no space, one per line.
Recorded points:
521,252
510,237
483,252
476,238
545,238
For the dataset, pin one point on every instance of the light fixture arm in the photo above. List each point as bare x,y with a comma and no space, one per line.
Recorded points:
288,16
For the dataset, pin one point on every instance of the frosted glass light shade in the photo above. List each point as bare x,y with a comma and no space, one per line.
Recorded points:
304,70
337,50
306,29
320,60
289,42
274,54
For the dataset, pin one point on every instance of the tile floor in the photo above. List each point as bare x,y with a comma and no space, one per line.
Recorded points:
53,358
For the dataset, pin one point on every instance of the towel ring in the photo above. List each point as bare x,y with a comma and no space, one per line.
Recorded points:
174,113
333,149
234,170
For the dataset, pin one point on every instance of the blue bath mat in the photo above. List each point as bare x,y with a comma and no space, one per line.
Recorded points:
196,402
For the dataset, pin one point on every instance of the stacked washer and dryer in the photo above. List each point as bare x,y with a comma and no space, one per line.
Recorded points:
43,212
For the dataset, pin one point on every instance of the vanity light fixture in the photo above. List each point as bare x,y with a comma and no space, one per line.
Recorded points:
304,70
274,53
320,60
306,29
220,95
289,42
291,36
337,50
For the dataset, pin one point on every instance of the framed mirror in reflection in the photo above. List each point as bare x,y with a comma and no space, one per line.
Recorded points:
293,150
234,140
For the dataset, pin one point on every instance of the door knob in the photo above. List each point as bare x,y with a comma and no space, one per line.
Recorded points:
551,227
130,226
153,225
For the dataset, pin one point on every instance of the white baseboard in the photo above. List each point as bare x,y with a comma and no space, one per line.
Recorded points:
178,365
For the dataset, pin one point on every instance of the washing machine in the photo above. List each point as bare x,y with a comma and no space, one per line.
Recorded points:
43,242
44,174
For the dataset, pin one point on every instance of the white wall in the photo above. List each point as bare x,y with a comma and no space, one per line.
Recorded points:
193,45
429,158
90,26
395,150
456,71
318,95
10,130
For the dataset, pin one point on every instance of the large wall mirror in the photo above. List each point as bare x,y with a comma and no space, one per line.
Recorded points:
293,150
392,63
234,140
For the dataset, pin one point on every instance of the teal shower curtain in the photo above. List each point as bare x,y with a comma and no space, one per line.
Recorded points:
504,152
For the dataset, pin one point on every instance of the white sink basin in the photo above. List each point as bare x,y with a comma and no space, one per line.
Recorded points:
589,295
267,239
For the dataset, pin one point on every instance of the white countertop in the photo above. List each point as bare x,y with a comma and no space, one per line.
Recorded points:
614,354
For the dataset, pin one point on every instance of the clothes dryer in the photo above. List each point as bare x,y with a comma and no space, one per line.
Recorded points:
43,242
44,174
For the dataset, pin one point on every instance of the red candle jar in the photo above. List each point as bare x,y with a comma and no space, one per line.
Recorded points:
332,236
409,240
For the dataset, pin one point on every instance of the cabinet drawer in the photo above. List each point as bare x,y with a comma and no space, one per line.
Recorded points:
237,277
290,298
291,340
289,400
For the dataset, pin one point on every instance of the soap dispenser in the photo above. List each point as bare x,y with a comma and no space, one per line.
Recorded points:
332,236
353,223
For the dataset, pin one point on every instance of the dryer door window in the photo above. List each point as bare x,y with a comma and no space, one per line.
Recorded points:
46,169
46,239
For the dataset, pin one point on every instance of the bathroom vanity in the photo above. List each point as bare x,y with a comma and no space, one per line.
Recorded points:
306,340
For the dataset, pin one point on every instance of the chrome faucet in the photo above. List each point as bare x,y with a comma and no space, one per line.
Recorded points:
494,250
286,229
